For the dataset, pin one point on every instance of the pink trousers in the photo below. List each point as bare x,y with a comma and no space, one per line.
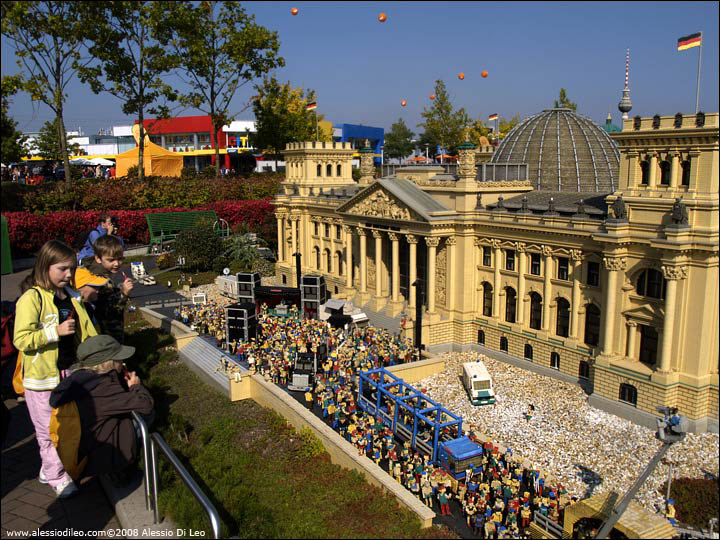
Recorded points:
38,404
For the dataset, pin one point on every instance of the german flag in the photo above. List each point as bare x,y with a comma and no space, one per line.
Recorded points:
688,42
311,106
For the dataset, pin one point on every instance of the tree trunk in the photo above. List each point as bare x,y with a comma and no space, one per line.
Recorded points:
217,149
141,147
63,146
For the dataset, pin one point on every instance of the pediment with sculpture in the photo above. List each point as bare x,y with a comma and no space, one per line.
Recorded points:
380,204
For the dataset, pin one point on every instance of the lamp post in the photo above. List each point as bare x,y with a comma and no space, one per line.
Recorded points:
418,314
427,147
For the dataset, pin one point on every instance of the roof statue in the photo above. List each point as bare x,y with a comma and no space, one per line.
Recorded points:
679,213
619,210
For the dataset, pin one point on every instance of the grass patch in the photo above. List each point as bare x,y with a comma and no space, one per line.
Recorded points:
266,479
696,500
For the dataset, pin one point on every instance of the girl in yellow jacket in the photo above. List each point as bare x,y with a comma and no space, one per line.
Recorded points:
50,321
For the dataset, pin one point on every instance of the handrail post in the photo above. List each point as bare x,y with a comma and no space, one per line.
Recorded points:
153,461
146,455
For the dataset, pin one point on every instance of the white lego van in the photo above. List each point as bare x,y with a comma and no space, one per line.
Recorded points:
478,383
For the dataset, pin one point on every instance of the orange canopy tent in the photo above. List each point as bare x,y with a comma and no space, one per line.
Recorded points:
419,158
156,161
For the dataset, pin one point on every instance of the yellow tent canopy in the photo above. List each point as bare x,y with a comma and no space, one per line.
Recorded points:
156,160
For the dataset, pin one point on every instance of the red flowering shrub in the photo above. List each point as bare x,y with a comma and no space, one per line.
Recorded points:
28,232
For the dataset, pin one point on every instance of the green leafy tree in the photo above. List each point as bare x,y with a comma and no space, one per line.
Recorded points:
443,124
221,50
399,140
48,144
564,102
12,140
281,116
48,38
478,129
200,246
129,41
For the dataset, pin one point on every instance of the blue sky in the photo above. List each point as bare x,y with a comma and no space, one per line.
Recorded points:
362,69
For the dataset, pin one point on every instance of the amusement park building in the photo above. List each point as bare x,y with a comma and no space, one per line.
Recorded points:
595,259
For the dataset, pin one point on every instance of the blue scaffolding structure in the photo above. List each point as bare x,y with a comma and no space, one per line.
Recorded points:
409,413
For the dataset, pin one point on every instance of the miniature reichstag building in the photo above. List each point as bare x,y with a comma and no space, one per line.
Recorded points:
590,254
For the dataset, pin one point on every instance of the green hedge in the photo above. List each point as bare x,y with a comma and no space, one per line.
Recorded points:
696,500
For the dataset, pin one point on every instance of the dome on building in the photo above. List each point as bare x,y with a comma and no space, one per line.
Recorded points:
564,152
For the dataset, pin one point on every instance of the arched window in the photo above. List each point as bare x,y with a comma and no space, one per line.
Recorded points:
528,352
584,370
481,337
284,279
339,170
555,360
504,344
686,172
510,304
628,394
316,251
664,173
328,260
340,268
563,317
487,299
535,310
645,173
650,283
319,169
592,325
328,169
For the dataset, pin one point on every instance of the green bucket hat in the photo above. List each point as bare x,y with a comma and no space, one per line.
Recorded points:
98,349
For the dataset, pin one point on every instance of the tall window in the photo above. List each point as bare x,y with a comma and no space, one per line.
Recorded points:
592,325
337,232
328,260
686,172
651,283
628,394
645,172
510,304
664,173
317,228
593,275
487,257
481,337
319,170
584,370
510,260
487,299
317,257
339,170
555,360
563,268
535,264
504,344
528,353
535,310
339,257
648,345
327,230
563,317
328,170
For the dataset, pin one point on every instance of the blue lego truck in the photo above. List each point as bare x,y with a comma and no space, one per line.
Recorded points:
459,455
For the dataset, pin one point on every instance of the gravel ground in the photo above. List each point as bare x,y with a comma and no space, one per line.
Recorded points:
581,447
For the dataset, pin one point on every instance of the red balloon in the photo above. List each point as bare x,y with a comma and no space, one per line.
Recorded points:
403,103
461,76
294,11
382,17
484,74
432,96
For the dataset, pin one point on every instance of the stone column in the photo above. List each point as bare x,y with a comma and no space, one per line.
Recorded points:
412,241
522,258
674,167
432,243
576,257
671,274
378,262
281,235
652,182
395,266
348,257
293,229
450,275
362,233
497,255
613,265
547,288
321,233
631,336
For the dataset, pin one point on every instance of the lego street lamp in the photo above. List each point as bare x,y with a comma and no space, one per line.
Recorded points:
418,315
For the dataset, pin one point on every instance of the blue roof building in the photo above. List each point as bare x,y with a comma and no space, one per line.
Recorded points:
356,134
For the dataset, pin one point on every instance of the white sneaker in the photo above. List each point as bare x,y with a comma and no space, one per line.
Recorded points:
41,478
66,489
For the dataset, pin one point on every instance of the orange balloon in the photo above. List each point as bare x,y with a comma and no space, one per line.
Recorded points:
294,11
382,17
484,74
432,96
403,103
461,76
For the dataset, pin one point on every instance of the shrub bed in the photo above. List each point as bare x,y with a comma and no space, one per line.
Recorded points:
696,500
28,232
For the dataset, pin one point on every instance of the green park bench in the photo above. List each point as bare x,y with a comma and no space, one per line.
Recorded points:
165,226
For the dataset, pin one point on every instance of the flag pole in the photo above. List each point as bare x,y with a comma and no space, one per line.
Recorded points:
697,92
317,136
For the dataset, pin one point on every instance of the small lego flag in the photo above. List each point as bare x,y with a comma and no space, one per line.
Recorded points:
311,106
687,42
492,117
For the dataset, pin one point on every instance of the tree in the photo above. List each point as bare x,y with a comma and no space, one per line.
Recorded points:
281,116
442,123
129,42
398,141
48,38
12,139
478,129
564,102
219,52
48,145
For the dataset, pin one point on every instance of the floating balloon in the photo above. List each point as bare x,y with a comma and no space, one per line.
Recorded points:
294,11
382,17
432,96
484,74
461,76
403,103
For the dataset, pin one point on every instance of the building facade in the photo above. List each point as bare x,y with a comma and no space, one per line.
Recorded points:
619,289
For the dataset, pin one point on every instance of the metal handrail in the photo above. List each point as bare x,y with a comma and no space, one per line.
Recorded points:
548,525
157,440
145,432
